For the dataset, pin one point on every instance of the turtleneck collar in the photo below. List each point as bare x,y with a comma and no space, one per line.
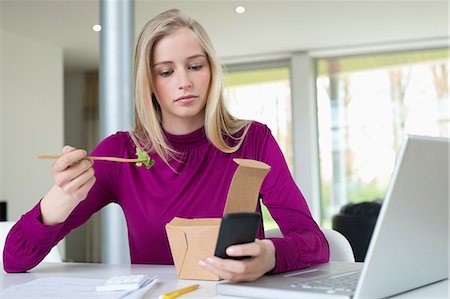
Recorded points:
187,141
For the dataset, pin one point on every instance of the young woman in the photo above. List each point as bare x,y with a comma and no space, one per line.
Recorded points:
182,122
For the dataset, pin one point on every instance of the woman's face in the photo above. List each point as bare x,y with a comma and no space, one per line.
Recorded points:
181,76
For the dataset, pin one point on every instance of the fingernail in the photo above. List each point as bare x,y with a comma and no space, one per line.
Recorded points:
230,250
201,263
210,260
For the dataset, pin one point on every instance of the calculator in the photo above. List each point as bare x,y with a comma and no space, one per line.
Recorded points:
124,282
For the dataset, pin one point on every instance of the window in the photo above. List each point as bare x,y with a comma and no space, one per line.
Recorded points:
366,106
263,95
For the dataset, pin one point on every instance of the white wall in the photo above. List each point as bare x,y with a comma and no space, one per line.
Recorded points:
32,108
74,89
2,191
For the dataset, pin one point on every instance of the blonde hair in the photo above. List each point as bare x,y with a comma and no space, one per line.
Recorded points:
219,123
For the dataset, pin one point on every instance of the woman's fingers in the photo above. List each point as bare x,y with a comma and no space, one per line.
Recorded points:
248,249
67,148
74,177
210,266
74,187
229,269
69,158
81,193
262,260
72,172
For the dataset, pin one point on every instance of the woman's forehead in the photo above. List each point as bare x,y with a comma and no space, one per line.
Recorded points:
180,44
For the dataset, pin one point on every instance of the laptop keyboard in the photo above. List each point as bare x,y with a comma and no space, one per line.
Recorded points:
345,282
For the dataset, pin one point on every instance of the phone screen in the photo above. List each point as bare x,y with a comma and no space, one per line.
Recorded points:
236,228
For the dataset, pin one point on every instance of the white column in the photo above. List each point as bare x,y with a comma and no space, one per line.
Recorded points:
2,167
116,107
304,131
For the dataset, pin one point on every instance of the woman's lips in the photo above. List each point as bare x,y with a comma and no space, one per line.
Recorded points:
186,99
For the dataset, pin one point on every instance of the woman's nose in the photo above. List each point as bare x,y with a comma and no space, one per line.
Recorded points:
184,81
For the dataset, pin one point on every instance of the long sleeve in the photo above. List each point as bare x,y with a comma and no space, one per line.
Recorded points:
304,243
29,240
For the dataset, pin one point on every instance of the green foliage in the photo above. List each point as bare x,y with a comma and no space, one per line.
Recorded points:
268,221
365,192
357,192
144,156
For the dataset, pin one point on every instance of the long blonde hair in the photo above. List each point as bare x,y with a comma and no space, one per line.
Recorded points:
219,123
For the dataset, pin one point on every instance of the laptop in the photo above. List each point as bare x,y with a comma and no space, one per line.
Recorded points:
409,245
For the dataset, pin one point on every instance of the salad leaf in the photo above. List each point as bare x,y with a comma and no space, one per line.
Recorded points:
144,156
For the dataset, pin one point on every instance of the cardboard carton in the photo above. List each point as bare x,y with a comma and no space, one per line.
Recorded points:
194,239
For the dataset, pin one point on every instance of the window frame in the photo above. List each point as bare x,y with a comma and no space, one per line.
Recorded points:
302,67
352,51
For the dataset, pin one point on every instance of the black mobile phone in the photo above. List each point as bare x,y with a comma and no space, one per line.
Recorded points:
236,228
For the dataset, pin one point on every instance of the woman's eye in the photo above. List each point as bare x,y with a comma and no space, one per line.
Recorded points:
165,73
195,67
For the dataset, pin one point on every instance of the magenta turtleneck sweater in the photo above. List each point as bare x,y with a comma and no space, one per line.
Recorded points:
150,198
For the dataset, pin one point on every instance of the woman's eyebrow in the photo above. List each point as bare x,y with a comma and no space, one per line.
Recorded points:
163,62
196,56
188,58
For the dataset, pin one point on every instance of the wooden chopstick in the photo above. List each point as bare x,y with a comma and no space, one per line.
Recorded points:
114,159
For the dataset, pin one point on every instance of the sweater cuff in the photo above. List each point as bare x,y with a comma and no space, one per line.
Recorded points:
279,249
294,254
37,232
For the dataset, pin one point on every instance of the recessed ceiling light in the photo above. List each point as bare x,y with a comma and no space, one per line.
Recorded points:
97,28
240,9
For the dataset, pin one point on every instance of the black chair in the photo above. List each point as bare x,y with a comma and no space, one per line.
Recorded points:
356,222
3,208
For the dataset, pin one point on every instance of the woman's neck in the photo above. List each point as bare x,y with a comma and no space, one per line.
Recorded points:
183,127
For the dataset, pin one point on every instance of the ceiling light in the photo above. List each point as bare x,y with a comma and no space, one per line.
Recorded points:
240,9
97,28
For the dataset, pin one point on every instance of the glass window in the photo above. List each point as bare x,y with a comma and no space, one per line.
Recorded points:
263,95
366,106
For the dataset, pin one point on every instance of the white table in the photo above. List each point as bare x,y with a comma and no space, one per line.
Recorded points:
167,279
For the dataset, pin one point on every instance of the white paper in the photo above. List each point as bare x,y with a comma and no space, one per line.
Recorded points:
65,287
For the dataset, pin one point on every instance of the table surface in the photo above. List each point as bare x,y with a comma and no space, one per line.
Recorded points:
167,279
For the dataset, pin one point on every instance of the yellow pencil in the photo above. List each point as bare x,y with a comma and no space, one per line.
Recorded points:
179,292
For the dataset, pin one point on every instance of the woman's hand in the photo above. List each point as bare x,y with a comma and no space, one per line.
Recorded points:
262,260
74,177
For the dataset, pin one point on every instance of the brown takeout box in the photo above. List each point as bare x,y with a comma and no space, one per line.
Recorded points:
194,239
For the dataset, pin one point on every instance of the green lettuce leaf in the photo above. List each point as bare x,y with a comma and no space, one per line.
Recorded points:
144,156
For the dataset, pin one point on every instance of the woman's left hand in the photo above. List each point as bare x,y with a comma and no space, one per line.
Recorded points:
262,260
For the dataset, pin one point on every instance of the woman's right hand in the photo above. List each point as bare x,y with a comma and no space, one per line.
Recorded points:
74,177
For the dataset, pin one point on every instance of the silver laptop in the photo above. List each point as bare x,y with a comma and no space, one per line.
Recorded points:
409,245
